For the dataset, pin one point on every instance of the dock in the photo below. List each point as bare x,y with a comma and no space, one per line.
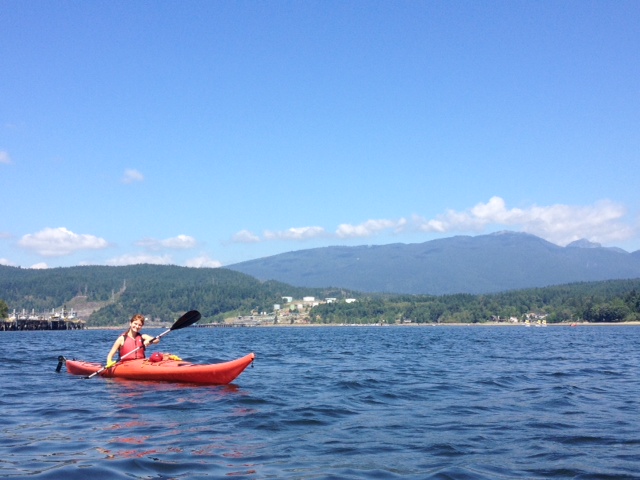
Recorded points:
62,320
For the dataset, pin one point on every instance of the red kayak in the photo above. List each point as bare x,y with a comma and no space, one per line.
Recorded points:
167,370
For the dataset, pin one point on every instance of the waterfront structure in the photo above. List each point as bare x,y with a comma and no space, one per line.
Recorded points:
62,320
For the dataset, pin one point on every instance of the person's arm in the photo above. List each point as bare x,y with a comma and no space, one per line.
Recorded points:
116,346
148,340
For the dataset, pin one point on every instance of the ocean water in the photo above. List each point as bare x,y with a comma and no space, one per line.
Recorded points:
445,402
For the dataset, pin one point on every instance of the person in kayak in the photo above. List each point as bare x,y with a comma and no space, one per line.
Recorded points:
130,340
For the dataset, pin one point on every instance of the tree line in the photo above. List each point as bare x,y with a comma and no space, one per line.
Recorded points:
166,292
608,301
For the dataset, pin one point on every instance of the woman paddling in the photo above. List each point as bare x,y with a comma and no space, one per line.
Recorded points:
131,340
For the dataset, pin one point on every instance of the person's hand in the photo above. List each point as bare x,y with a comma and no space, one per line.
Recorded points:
110,364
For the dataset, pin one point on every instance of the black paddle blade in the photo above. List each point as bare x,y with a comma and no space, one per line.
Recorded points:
187,319
61,360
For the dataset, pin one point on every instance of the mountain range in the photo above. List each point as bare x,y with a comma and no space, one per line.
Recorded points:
461,264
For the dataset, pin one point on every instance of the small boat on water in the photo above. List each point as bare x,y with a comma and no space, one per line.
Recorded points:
166,370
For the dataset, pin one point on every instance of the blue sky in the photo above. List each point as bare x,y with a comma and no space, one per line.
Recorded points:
204,133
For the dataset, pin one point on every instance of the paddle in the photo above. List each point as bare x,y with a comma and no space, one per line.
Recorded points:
185,320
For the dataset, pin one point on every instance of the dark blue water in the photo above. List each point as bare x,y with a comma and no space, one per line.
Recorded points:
321,403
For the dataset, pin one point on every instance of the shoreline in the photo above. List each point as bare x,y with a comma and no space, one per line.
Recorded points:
411,325
485,324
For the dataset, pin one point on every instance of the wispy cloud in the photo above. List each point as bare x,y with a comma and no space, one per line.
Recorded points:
203,261
58,242
295,233
4,157
181,242
131,175
369,228
7,263
601,222
245,236
291,234
133,259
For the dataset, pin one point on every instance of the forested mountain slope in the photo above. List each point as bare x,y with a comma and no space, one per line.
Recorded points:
482,264
159,291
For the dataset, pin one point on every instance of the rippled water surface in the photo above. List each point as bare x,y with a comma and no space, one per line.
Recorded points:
344,402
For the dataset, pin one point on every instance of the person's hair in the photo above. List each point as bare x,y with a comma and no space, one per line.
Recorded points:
137,316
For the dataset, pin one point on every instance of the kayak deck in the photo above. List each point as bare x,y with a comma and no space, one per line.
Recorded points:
177,371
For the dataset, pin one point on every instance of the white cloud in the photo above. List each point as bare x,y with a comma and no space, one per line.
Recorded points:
4,157
601,222
245,236
57,242
8,263
132,259
40,266
203,262
295,233
475,219
561,224
181,242
369,228
131,175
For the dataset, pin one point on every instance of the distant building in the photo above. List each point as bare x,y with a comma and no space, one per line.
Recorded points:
350,300
308,299
287,299
330,300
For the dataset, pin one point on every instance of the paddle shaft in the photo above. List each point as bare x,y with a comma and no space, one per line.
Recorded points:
130,353
187,319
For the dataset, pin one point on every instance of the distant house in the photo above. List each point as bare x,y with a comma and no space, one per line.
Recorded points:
350,300
308,299
330,300
287,299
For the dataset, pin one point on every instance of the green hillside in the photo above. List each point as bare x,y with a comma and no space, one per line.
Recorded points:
159,291
110,295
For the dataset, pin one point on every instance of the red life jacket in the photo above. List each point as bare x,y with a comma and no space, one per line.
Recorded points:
131,344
